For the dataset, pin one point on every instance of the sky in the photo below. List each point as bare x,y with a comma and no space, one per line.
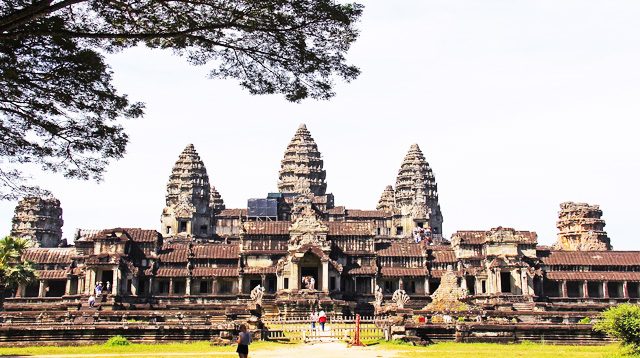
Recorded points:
517,105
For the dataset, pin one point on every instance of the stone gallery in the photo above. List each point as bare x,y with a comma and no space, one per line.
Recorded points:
300,251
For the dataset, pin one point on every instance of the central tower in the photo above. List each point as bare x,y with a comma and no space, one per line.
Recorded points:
302,162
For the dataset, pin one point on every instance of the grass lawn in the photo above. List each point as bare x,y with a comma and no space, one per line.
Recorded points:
195,347
492,350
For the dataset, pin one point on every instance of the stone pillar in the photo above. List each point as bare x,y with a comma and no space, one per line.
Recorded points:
42,288
605,289
325,276
81,285
563,289
354,285
530,289
214,286
150,289
294,280
240,284
135,281
625,289
263,281
400,283
497,277
92,281
171,286
585,289
115,287
188,287
67,287
463,283
373,285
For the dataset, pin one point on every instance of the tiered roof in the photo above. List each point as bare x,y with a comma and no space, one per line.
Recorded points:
302,161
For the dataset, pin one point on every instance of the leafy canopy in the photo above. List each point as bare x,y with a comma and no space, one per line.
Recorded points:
622,322
60,111
13,271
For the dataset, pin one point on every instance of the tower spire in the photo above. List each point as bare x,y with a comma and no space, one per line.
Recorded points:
302,162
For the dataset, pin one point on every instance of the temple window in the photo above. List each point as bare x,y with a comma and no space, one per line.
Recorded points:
182,226
286,283
399,230
505,281
169,230
204,286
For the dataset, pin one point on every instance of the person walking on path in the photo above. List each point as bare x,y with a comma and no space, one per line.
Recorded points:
313,318
244,340
322,318
92,301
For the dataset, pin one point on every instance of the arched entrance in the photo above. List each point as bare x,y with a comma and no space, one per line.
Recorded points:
310,266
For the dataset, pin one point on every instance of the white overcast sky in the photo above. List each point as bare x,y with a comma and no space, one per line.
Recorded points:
517,105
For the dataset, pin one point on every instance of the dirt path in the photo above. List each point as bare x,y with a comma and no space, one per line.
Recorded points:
319,350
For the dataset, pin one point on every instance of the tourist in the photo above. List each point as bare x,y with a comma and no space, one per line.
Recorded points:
92,301
312,283
322,319
244,339
108,287
314,319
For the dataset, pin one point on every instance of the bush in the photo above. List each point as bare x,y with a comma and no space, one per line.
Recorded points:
622,322
585,320
117,341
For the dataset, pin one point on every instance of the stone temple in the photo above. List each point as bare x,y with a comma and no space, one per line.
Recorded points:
305,250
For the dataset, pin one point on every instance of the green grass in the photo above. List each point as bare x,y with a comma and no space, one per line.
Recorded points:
492,350
195,347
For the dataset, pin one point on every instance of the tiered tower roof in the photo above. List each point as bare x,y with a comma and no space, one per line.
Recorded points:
580,228
38,219
215,200
387,200
415,172
189,180
302,162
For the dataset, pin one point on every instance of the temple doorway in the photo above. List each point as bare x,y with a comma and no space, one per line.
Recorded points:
310,267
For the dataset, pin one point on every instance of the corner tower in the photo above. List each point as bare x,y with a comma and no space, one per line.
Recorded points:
188,197
302,162
38,219
416,193
580,228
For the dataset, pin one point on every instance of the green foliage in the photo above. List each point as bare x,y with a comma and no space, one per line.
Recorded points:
622,322
116,341
585,320
461,319
12,270
60,110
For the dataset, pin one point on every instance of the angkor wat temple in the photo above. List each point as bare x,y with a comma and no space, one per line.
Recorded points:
205,254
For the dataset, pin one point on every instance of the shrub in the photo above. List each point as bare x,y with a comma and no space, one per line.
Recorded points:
585,320
117,341
622,322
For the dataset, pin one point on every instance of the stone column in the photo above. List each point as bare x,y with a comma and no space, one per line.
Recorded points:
81,285
625,289
563,289
240,284
150,289
115,287
427,286
325,276
400,283
263,281
605,289
585,289
463,283
294,283
188,287
67,287
498,278
214,286
171,286
373,285
42,288
135,281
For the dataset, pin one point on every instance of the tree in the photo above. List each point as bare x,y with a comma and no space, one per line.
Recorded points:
622,322
14,271
60,111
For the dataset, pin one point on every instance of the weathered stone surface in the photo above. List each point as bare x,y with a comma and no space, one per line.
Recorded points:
416,190
188,194
580,228
38,219
387,200
448,297
302,161
215,201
